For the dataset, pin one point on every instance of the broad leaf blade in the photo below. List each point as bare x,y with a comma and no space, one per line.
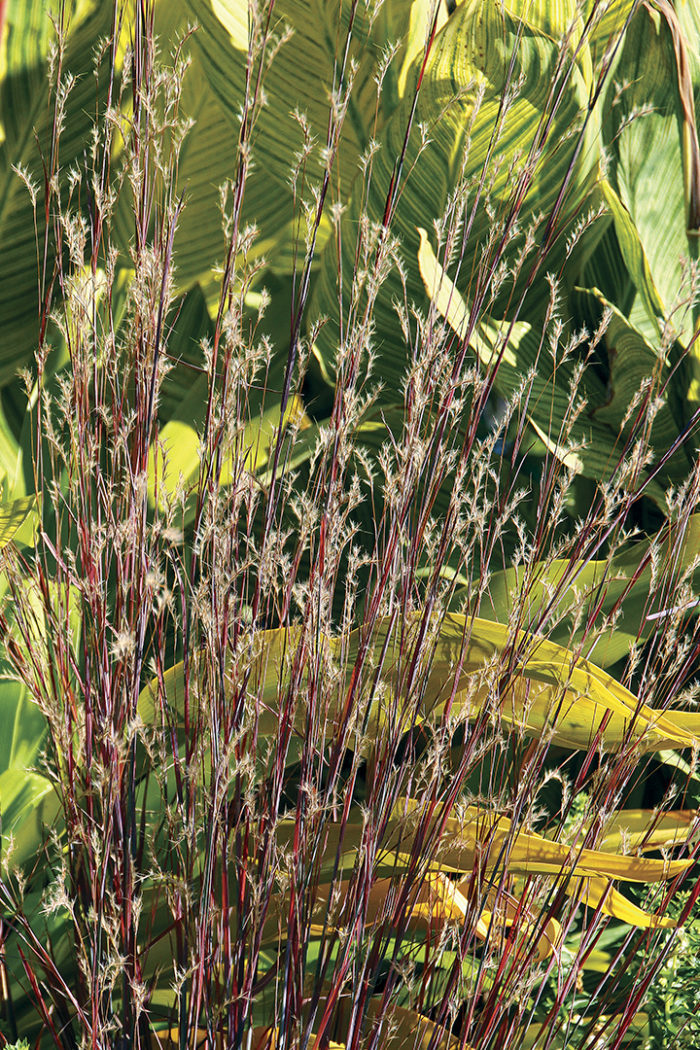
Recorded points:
27,120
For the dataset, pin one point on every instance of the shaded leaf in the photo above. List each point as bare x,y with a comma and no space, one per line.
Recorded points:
552,592
27,122
482,50
567,412
13,516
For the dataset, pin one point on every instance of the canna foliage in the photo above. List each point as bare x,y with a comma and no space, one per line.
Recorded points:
349,537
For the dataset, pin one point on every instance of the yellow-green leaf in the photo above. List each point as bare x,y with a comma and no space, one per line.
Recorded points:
13,516
527,682
641,829
175,459
598,892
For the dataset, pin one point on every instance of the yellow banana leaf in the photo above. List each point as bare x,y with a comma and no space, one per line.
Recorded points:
478,841
504,910
641,829
408,1030
404,1029
440,901
483,841
599,892
529,683
261,1038
494,841
579,721
437,902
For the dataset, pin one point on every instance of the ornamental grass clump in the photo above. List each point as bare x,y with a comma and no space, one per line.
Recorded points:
350,547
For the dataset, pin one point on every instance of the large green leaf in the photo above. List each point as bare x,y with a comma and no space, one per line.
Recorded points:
298,81
28,802
512,159
209,159
185,390
24,727
29,807
636,368
562,588
607,24
13,517
206,162
648,303
650,133
572,414
305,73
183,393
12,460
605,269
27,120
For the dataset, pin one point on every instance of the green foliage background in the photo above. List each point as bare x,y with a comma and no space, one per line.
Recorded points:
587,177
